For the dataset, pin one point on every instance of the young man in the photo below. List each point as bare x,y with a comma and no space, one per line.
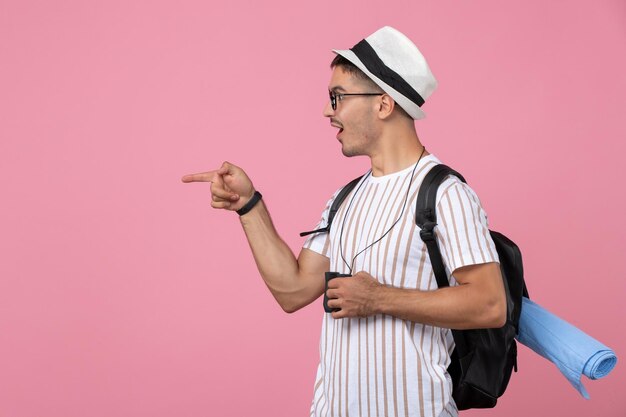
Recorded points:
385,349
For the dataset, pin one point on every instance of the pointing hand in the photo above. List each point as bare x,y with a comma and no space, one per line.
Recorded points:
231,188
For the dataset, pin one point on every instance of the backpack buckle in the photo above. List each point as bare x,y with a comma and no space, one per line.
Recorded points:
428,231
322,230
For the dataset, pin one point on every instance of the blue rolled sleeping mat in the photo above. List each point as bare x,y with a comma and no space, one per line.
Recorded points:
573,351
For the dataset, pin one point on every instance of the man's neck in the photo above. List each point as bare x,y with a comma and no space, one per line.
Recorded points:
396,153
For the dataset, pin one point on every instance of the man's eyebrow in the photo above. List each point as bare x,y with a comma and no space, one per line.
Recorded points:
337,88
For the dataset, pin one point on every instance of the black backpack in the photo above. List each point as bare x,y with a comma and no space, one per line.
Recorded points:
483,359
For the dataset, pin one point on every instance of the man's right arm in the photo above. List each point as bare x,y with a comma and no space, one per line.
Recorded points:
294,283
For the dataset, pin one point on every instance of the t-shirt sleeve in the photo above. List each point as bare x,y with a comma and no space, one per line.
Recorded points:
320,242
462,228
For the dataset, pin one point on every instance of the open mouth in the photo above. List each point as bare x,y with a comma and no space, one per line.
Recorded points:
338,127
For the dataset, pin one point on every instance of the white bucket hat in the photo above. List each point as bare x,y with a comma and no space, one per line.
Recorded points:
395,64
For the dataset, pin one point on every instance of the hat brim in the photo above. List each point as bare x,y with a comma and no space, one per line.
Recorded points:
407,105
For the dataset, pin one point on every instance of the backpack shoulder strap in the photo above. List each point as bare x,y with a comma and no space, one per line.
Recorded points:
334,207
427,196
426,217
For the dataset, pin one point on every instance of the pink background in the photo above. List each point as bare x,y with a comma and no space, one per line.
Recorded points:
122,293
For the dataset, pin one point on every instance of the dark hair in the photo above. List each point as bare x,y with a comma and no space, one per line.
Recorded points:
353,70
350,68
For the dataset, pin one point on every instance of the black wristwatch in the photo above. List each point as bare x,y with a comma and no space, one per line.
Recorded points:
250,204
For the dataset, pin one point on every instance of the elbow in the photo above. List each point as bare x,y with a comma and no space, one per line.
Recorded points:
289,308
495,313
287,300
498,319
293,300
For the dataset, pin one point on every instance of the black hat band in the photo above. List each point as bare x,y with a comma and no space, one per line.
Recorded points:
364,51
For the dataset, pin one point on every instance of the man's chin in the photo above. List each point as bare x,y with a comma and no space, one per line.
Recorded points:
348,152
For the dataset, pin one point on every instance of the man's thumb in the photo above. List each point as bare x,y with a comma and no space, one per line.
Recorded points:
226,169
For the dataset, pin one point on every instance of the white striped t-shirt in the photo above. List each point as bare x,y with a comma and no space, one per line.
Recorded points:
381,365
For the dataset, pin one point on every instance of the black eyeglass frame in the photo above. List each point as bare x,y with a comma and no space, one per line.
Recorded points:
333,97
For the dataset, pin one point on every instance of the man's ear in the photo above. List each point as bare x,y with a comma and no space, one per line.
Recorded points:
386,106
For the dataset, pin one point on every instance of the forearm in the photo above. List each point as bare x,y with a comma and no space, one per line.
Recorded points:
293,282
274,259
465,306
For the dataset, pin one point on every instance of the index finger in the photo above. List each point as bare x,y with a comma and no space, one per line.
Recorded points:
209,176
334,283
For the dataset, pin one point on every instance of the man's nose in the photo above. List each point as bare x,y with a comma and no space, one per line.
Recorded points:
328,110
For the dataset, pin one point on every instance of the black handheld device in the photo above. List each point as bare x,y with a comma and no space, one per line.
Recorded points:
328,276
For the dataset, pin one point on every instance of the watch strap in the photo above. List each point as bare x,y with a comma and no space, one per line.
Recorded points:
250,204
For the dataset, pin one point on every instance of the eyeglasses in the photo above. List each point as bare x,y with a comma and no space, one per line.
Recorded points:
340,96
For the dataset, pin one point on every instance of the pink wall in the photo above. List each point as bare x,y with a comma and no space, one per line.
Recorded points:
122,293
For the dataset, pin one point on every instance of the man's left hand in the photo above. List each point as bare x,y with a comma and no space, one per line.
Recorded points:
355,296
